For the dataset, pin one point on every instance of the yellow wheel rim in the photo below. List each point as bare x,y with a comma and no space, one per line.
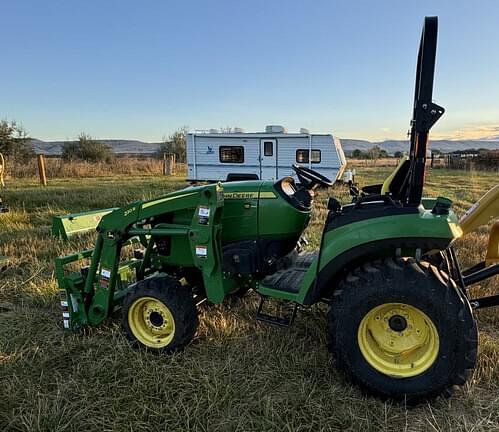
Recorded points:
398,340
151,322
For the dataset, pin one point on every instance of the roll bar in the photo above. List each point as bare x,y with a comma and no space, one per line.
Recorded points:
425,112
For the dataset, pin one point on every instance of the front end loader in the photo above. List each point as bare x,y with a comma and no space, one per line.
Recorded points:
400,321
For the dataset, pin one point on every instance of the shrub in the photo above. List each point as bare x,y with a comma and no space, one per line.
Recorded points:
87,149
14,141
175,143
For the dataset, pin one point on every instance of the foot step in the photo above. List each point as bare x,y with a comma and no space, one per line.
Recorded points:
290,278
283,321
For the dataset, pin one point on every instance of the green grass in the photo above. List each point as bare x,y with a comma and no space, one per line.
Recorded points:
238,374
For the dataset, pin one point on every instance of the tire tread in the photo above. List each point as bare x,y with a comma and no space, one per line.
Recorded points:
407,270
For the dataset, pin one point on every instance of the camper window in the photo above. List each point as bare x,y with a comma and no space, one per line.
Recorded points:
268,148
302,156
231,154
316,156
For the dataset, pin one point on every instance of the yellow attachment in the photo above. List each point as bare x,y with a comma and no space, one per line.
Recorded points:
482,212
492,256
386,185
2,170
151,322
407,351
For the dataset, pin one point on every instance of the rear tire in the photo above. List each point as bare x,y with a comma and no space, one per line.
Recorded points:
401,329
160,314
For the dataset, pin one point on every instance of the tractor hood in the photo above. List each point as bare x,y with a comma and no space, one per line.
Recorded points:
260,209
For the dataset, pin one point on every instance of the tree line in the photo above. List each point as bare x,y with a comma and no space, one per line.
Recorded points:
374,153
16,143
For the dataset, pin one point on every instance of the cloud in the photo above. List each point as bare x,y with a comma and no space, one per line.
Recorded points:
489,132
486,133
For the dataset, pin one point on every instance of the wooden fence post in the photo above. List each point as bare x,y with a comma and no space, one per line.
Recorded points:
169,166
165,171
41,170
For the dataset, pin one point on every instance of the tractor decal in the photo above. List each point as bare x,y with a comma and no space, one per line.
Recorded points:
248,195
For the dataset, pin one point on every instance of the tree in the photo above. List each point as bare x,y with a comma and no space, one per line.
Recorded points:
357,154
374,153
175,143
87,149
398,154
14,141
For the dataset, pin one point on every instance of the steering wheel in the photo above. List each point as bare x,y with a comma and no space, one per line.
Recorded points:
310,178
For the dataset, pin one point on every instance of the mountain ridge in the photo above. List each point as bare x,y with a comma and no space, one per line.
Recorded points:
122,146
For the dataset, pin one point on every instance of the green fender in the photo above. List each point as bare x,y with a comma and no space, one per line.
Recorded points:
348,245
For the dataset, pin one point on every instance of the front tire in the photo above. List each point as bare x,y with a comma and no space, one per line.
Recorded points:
400,329
160,314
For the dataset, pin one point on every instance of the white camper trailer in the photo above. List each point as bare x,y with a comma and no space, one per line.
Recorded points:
214,155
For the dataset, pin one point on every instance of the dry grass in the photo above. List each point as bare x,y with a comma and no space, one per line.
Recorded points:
370,163
237,375
58,168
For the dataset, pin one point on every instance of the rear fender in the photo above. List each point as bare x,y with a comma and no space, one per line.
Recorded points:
344,248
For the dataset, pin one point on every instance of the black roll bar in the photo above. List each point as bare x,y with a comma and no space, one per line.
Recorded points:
425,112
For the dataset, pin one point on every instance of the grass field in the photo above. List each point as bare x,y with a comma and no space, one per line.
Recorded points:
238,374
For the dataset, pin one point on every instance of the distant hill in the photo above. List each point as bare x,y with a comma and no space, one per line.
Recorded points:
392,146
53,148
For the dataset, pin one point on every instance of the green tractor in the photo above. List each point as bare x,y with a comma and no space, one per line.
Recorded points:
400,323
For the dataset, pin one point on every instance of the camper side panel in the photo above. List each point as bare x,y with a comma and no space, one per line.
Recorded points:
291,150
286,153
331,164
215,157
190,157
342,158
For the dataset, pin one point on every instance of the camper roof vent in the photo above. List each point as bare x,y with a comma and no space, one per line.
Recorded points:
238,130
275,129
304,131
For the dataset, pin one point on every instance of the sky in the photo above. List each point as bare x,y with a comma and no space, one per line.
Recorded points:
142,69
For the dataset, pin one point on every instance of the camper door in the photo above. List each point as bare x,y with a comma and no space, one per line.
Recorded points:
268,159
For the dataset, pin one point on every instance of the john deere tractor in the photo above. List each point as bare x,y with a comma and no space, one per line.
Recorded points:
400,322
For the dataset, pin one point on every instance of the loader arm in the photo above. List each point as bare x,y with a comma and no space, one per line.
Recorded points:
91,296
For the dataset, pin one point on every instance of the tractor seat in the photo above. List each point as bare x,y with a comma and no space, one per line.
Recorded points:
394,184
